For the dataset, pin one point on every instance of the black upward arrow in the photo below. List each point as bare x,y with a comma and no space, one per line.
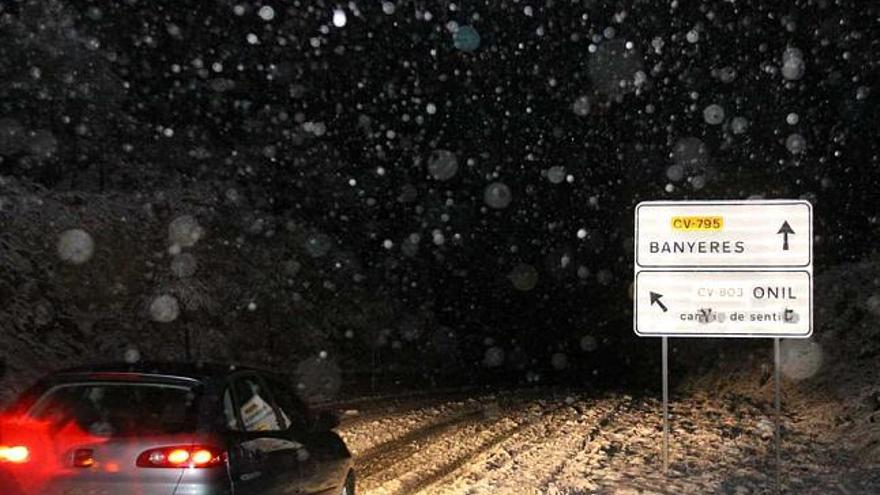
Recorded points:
655,298
785,230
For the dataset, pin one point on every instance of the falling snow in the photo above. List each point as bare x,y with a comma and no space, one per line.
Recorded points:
75,246
164,309
386,197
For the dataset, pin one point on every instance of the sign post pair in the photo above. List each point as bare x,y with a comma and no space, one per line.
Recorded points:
723,269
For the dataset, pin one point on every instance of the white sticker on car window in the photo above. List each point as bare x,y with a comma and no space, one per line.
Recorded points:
258,415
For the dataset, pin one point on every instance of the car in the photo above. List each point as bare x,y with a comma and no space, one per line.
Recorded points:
170,429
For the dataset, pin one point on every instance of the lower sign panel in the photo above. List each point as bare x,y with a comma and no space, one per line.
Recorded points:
723,304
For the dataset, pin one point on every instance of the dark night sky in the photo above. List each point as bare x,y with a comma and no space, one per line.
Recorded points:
332,125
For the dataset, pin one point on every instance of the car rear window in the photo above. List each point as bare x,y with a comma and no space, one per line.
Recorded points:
119,409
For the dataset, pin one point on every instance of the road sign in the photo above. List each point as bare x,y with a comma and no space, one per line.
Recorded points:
724,234
723,304
723,269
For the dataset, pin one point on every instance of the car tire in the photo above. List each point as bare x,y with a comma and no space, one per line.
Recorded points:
348,488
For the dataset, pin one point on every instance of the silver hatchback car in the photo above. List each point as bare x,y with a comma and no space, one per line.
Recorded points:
169,429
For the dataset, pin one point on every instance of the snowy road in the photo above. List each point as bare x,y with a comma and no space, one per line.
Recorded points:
570,443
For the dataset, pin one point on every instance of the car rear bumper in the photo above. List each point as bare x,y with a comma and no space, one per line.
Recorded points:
190,482
204,482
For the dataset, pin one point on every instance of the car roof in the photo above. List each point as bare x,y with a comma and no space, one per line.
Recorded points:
197,374
159,369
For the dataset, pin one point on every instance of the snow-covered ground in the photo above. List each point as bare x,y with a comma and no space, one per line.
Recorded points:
559,442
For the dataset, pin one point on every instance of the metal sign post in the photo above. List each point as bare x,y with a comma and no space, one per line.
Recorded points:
777,404
723,269
665,405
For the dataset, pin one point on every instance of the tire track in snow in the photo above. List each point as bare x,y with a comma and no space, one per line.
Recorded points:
372,409
364,434
429,458
400,411
599,448
625,457
387,453
531,457
608,445
447,455
584,440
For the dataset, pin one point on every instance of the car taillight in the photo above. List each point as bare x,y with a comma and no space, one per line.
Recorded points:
83,458
182,456
17,454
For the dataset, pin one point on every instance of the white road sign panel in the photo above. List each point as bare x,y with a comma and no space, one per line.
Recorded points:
723,303
723,269
724,234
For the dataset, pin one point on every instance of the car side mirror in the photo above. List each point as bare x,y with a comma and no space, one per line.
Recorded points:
325,421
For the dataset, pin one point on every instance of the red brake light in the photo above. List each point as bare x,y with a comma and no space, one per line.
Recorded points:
182,456
178,457
17,454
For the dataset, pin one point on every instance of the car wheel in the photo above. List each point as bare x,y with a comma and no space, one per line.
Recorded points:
348,488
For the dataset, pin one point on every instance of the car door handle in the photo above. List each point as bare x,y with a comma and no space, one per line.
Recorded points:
250,476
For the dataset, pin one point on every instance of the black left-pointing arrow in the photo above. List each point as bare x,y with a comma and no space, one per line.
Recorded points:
655,299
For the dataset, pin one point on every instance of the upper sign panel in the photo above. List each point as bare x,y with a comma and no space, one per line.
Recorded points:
724,234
